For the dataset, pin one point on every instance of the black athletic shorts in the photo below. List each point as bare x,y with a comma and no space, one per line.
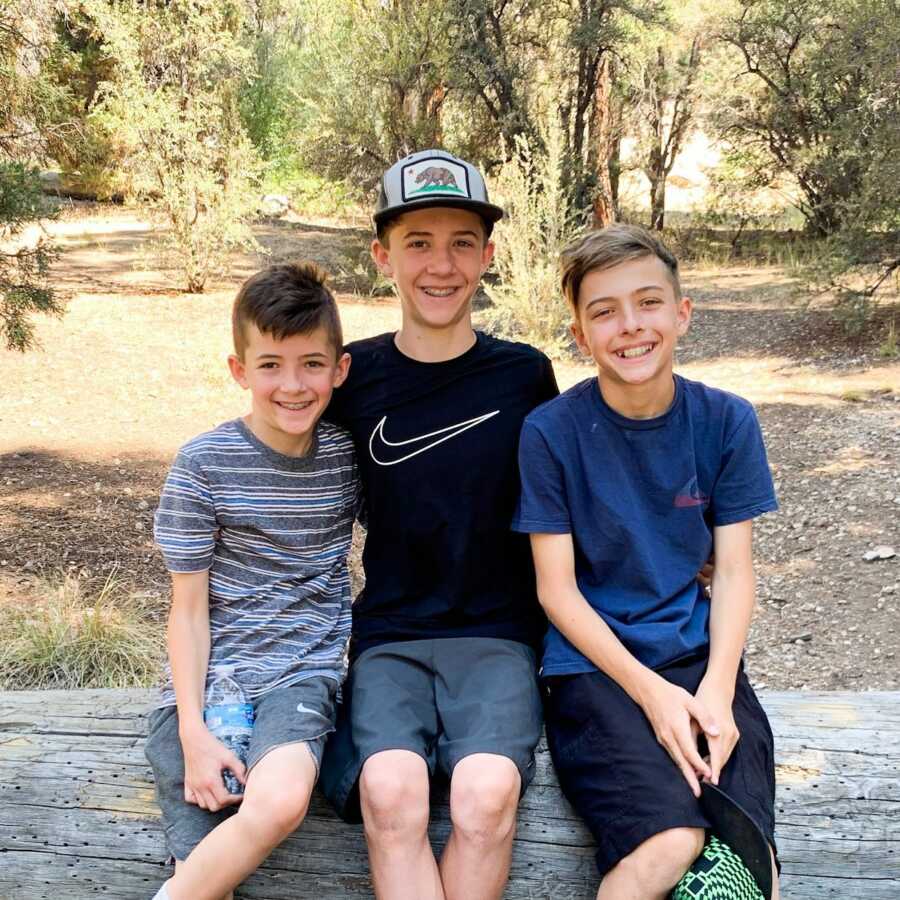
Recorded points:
443,699
624,784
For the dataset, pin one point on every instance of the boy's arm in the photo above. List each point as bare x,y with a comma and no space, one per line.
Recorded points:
188,637
731,608
671,710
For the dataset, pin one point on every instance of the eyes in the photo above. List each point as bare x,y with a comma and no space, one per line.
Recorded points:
311,364
422,244
604,312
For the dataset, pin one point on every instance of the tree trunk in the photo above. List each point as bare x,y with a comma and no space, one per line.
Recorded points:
606,144
658,201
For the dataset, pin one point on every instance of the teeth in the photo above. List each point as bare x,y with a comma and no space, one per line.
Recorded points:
294,406
636,351
439,292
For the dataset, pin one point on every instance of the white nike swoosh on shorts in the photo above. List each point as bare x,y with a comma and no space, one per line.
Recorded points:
441,435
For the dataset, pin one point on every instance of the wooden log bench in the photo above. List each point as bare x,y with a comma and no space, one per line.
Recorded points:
78,816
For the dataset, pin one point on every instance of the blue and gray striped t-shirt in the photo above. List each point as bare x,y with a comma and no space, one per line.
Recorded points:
274,532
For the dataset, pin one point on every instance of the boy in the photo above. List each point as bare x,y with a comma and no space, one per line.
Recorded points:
628,480
443,674
255,524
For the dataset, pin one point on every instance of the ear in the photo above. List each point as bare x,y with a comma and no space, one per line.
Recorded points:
238,370
487,254
382,258
577,333
342,369
683,314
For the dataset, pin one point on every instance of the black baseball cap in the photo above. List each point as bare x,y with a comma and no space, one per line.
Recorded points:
433,178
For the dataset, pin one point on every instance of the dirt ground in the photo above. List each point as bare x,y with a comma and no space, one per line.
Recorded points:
135,368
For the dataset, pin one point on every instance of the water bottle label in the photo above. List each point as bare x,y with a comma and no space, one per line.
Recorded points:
229,717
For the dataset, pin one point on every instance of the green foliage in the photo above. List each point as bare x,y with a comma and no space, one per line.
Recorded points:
798,97
25,98
174,102
527,302
25,267
67,638
810,105
310,194
91,156
370,85
272,116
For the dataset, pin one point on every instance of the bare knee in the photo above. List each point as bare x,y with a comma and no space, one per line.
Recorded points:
484,796
658,864
274,812
393,793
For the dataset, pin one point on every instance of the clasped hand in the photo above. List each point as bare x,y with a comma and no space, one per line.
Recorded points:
204,759
678,717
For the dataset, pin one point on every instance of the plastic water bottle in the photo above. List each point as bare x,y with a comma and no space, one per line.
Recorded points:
229,717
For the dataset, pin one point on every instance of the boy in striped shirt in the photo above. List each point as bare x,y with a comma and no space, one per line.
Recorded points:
254,524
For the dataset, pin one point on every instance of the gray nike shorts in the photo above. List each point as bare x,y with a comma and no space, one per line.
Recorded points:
301,713
443,699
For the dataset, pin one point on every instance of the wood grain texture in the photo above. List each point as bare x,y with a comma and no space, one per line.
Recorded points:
78,815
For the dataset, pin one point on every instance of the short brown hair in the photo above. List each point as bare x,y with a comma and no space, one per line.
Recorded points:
383,229
284,300
608,247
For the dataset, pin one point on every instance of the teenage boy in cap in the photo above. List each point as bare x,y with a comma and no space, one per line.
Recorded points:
442,675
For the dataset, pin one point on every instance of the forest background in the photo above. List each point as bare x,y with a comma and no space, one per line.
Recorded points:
759,136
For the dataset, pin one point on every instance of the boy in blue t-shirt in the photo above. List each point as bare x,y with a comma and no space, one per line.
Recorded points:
629,481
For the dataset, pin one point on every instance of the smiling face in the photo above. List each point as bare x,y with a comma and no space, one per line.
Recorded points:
435,257
290,381
628,321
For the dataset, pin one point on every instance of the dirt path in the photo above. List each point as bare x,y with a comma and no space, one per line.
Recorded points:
88,425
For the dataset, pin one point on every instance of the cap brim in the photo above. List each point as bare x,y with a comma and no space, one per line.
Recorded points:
487,210
733,825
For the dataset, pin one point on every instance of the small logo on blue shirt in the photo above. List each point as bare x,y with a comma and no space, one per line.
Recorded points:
690,495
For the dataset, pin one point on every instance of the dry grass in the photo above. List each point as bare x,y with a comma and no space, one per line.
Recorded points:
63,636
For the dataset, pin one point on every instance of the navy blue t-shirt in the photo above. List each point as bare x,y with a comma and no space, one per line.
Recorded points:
640,498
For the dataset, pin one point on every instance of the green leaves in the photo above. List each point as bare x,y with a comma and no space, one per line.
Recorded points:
25,261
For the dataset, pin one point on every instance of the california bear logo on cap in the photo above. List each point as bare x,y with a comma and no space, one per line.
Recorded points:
433,178
425,178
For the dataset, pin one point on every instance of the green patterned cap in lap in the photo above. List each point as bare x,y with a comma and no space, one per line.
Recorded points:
717,874
433,178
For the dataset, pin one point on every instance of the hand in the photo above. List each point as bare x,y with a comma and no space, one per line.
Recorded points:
204,759
719,702
704,576
676,718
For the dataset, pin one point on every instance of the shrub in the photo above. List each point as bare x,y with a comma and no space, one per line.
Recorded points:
25,286
174,101
526,302
69,639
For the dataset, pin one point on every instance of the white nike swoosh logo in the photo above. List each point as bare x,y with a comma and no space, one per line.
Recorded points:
441,435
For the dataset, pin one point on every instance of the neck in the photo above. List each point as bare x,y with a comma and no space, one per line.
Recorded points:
279,441
640,401
434,345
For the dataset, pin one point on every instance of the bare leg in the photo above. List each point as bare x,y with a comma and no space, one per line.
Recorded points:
393,792
179,864
654,868
276,800
484,796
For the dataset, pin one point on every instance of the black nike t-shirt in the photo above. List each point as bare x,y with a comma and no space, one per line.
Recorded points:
437,447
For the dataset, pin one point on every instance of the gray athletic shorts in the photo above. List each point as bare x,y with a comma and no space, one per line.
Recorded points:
442,699
303,712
